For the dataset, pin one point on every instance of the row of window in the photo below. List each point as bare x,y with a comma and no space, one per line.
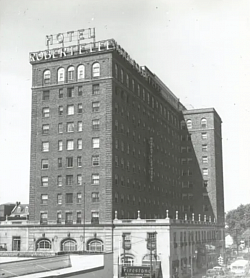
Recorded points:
70,127
190,184
69,180
69,217
194,236
69,198
71,74
70,162
71,109
71,92
190,196
189,123
69,244
121,111
147,98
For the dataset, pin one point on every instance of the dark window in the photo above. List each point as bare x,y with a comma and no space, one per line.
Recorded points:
95,217
80,91
70,92
60,94
69,162
69,179
68,218
69,198
59,162
45,95
96,89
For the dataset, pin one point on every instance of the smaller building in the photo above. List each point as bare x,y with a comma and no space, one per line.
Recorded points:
168,247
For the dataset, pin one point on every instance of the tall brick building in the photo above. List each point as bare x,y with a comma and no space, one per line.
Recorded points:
107,135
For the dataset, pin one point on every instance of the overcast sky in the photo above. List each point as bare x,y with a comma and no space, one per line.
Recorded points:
199,48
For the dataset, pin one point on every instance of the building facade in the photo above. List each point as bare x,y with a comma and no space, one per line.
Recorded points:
107,135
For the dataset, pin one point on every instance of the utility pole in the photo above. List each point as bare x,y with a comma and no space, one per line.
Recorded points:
84,215
191,259
123,245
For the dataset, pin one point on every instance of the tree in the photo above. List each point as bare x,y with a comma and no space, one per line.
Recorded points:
238,221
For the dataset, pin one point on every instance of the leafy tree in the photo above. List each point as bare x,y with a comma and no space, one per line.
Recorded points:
238,221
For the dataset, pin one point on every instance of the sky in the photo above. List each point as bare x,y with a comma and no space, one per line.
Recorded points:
199,49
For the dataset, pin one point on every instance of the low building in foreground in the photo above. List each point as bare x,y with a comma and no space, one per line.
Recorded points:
167,247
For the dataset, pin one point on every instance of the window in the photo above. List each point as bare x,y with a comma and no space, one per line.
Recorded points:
205,208
59,199
204,159
61,75
96,124
60,110
79,108
59,180
79,144
189,124
60,128
127,80
79,179
70,92
60,145
70,145
205,196
205,183
69,179
95,106
78,217
79,126
45,95
94,217
59,162
44,199
79,198
60,94
204,171
116,71
80,91
203,123
70,127
71,73
122,76
95,245
69,162
45,146
69,198
95,70
70,109
45,163
96,143
59,217
46,77
45,181
43,218
204,148
95,197
45,112
203,135
95,179
79,161
133,85
95,160
96,89
80,72
68,218
45,129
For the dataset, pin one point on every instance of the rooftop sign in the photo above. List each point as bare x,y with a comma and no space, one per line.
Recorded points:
70,36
